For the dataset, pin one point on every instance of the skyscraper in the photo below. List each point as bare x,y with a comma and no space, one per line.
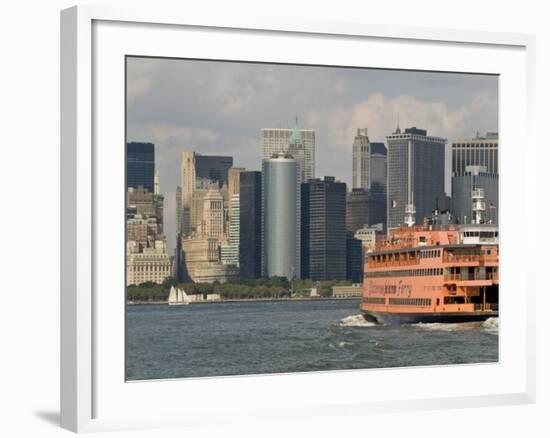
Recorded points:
366,207
213,214
378,164
140,165
250,235
275,140
230,249
480,151
360,160
324,229
474,177
475,165
233,187
354,258
198,170
280,222
213,167
416,174
357,209
146,204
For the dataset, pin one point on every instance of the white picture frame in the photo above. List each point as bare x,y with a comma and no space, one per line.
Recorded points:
92,391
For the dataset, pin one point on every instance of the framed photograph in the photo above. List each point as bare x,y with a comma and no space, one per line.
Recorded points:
261,208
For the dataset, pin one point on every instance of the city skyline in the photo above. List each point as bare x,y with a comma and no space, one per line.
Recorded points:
220,108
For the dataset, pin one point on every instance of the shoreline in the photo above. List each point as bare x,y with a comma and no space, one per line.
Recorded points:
244,300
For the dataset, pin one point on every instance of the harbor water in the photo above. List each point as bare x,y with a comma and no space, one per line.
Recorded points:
221,339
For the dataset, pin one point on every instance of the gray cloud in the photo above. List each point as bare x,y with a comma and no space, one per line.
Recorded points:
220,107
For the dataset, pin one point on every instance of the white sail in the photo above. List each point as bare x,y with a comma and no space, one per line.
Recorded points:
173,297
178,297
185,298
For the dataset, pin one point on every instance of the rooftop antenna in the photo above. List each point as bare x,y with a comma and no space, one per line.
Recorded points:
398,130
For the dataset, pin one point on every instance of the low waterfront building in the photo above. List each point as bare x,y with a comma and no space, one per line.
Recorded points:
353,291
149,266
203,298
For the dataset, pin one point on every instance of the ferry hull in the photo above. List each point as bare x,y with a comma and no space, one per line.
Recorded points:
412,318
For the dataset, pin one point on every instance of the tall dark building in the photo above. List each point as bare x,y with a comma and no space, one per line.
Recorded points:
378,184
475,166
378,164
325,228
357,209
354,259
479,151
377,204
474,177
250,239
366,207
416,174
304,230
140,165
213,167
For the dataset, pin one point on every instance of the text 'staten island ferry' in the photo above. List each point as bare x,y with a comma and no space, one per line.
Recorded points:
433,273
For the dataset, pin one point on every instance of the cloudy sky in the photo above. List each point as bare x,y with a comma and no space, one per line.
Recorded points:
219,108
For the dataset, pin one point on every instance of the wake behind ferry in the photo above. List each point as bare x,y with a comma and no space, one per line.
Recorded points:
433,273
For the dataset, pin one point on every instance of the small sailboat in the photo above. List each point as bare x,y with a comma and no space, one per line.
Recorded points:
178,297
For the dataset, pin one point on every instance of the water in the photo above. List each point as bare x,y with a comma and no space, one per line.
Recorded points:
272,337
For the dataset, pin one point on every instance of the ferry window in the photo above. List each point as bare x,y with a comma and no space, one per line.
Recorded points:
454,300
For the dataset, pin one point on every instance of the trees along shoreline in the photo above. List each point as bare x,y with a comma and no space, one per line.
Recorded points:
235,289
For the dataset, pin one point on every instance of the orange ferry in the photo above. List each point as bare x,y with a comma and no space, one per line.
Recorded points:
433,273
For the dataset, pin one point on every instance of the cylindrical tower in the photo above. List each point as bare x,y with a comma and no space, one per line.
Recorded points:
281,238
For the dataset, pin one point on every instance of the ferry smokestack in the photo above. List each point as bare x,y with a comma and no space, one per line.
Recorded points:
478,205
410,212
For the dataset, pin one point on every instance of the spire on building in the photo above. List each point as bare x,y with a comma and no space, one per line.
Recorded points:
156,184
398,130
296,136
